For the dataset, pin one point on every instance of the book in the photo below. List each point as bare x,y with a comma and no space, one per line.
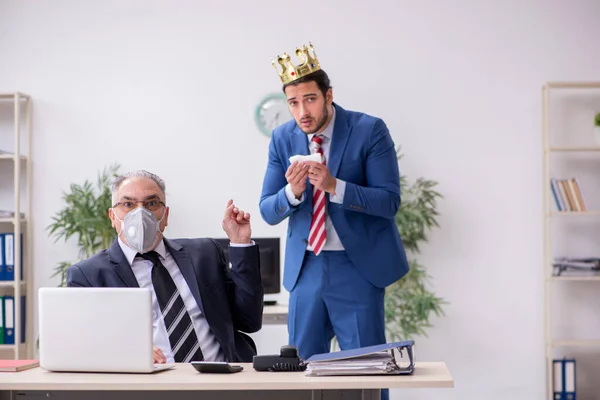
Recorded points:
567,195
18,365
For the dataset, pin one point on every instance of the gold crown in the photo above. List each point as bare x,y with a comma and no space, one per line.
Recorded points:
290,72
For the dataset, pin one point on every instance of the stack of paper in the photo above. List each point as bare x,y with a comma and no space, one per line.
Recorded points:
9,214
391,358
570,265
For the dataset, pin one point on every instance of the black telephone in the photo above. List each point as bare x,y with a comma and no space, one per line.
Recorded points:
287,360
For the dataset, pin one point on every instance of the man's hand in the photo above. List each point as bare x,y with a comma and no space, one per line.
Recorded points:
159,357
296,176
320,177
236,224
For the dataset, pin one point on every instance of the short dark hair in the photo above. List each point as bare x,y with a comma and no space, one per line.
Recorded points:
320,77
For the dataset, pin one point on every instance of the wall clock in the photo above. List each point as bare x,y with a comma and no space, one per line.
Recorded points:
271,112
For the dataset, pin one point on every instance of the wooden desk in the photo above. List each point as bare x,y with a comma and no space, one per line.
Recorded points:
184,382
276,314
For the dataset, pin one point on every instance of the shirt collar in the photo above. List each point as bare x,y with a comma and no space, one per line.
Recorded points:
328,131
130,253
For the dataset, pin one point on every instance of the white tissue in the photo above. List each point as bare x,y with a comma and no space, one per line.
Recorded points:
313,157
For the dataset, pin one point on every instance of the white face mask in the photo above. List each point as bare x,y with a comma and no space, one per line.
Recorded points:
141,229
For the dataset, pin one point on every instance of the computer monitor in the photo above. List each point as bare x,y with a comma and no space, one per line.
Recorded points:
269,262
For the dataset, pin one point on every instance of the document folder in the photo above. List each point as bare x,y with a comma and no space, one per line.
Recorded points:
564,379
384,359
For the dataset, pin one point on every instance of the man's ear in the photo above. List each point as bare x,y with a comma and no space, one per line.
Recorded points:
111,215
329,96
166,219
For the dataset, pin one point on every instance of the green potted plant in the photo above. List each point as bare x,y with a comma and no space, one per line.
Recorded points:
597,127
409,304
85,217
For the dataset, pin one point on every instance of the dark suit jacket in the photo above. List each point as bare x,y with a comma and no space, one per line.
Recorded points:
231,299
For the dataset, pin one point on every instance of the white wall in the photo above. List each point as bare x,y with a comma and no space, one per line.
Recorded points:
171,87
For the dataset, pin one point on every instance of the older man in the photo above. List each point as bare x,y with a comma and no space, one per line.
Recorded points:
201,305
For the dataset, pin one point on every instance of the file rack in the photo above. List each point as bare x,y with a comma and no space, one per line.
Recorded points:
15,155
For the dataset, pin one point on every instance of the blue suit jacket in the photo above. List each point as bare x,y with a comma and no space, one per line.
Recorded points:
362,154
231,299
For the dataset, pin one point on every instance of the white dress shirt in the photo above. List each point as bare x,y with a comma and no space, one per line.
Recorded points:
142,270
332,241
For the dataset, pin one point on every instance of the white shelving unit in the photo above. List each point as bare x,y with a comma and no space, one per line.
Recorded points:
552,216
19,158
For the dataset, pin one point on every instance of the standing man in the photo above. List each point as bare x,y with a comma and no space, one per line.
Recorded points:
201,305
343,247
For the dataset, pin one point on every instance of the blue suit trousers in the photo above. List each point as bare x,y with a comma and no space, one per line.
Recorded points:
330,299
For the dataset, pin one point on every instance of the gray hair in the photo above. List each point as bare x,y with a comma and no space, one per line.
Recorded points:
136,174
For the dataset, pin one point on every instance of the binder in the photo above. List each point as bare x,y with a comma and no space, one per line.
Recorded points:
2,262
564,379
383,359
9,257
9,319
1,319
8,253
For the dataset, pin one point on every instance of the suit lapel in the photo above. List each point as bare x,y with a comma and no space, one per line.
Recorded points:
184,262
341,133
300,142
122,267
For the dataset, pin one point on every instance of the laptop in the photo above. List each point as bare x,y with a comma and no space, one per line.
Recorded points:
96,330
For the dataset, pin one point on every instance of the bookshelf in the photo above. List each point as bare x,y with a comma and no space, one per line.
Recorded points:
15,165
570,152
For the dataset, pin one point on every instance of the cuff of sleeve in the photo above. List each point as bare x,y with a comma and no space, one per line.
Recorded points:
242,244
340,189
290,196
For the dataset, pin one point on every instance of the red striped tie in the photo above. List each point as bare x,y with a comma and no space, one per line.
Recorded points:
317,236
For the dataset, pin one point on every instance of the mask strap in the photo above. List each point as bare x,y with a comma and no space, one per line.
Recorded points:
161,218
120,220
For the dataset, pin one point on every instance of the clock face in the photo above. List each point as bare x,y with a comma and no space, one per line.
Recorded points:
271,112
